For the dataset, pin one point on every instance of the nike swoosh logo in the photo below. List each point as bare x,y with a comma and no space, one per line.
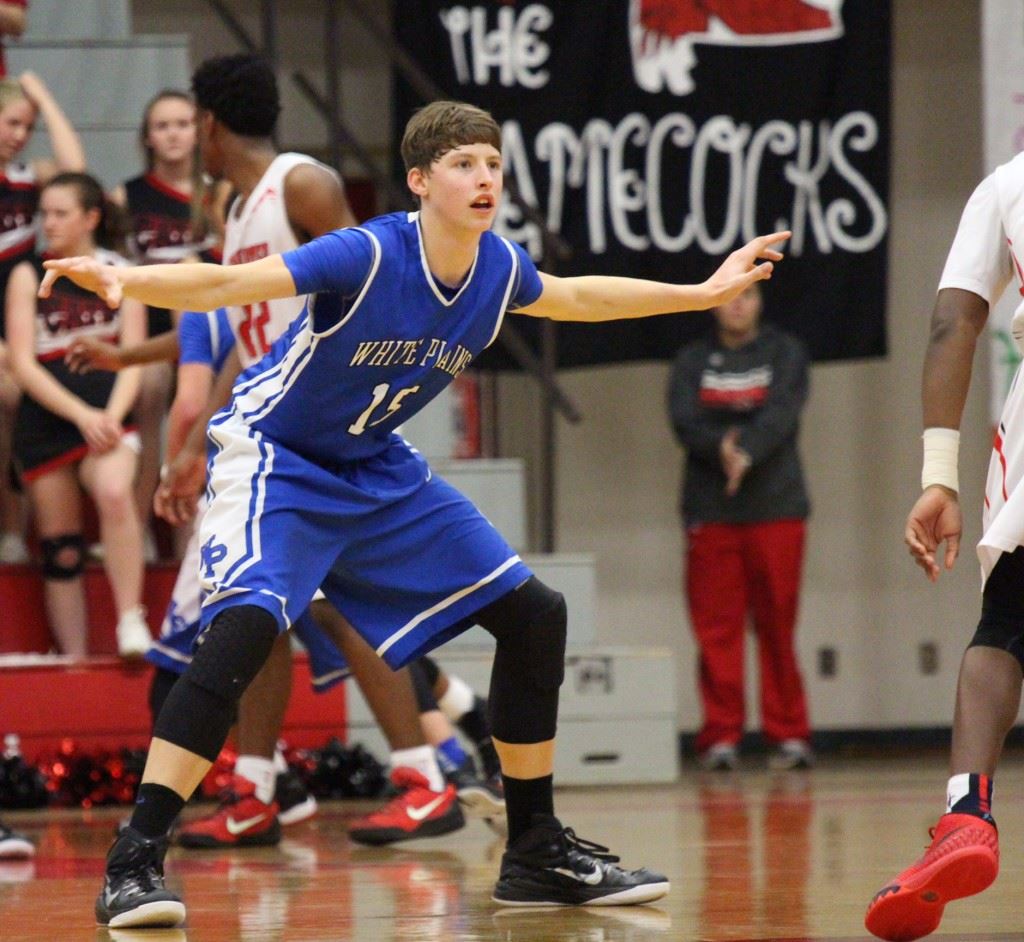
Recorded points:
418,814
238,827
591,879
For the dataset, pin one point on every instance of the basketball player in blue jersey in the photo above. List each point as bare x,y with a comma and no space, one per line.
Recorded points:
309,486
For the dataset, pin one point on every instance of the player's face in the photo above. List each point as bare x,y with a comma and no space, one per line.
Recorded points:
171,130
17,122
739,317
67,227
464,186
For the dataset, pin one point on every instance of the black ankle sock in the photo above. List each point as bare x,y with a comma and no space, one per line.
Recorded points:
525,797
977,800
156,807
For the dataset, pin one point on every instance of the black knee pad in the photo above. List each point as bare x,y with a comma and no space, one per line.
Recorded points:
422,687
529,624
54,547
159,687
430,670
230,653
199,709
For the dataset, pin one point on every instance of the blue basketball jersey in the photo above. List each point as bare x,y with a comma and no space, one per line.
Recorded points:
205,337
379,338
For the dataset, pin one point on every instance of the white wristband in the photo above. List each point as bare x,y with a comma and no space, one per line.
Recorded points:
941,448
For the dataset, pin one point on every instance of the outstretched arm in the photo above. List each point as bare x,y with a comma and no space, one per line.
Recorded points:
200,287
605,298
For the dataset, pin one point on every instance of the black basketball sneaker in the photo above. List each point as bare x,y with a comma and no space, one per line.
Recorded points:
550,866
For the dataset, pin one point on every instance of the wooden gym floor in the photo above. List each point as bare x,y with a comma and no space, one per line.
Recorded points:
787,857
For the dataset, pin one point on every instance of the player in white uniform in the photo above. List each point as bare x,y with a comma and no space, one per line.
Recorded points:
963,857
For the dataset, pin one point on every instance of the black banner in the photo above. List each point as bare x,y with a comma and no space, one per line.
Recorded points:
655,136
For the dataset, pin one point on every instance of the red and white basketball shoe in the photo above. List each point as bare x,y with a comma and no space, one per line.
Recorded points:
415,811
241,820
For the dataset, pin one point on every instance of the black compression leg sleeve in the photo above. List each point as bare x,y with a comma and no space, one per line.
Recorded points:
161,684
529,625
200,707
422,687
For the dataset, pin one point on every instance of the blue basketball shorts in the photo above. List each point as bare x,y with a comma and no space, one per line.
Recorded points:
400,553
181,627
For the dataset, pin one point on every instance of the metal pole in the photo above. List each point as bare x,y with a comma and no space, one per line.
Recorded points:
268,19
332,65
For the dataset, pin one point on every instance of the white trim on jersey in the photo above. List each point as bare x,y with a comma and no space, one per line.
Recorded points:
171,653
429,275
508,291
214,328
446,603
257,398
378,254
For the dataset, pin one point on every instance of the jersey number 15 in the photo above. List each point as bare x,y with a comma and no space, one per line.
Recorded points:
380,393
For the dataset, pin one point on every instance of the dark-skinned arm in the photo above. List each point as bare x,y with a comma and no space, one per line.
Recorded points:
958,319
316,204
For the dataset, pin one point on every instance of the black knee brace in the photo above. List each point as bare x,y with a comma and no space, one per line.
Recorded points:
54,547
422,687
529,625
1002,608
200,707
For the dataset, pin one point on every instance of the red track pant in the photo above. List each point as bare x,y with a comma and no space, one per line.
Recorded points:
733,570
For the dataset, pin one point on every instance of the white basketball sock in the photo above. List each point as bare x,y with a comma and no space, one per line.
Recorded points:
423,760
261,773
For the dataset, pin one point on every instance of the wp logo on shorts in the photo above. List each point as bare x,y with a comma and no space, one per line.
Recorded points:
210,554
664,34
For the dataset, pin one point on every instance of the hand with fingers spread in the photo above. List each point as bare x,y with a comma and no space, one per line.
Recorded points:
935,519
88,353
87,273
741,269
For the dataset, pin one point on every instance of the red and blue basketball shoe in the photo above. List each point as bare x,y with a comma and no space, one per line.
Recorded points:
962,859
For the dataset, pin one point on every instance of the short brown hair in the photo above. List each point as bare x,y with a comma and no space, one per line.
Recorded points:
442,126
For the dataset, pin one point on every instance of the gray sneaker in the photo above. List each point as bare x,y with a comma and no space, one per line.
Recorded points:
791,754
133,893
721,757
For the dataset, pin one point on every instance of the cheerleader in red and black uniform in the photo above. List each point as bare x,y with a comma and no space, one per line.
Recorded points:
22,102
71,428
167,222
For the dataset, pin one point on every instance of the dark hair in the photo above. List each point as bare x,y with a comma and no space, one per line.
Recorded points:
240,92
443,125
110,229
165,95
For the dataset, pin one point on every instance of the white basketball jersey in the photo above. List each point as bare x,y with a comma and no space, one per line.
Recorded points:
254,230
987,253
